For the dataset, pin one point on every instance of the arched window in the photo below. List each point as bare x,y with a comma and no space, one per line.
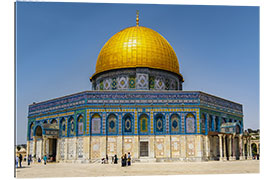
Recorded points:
80,127
237,129
45,122
216,123
223,120
53,121
203,123
31,130
111,124
62,127
38,131
190,123
209,123
175,123
127,123
71,127
143,124
95,124
159,125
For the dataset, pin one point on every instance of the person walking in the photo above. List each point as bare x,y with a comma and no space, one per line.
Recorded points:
45,159
20,160
115,159
28,160
122,161
107,159
17,161
129,159
125,160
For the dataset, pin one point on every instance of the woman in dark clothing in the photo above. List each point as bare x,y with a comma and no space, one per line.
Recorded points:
125,160
115,159
122,161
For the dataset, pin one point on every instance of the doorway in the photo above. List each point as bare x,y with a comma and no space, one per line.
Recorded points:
52,149
143,149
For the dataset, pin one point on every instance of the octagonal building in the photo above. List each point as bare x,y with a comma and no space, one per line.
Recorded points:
137,105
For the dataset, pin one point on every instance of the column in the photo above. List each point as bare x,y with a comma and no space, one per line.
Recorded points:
206,147
44,146
230,147
213,123
240,147
66,149
206,124
76,148
220,147
233,147
243,148
224,147
34,147
57,158
250,150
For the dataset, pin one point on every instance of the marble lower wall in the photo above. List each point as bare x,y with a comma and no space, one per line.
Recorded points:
160,148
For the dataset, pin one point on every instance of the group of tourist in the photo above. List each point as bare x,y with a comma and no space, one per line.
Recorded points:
19,161
125,160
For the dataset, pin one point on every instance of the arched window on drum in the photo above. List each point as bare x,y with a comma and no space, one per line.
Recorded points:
175,123
190,123
95,124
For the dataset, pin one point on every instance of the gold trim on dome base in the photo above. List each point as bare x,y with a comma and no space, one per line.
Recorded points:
137,46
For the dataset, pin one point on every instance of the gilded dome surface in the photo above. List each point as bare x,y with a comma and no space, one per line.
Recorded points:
137,46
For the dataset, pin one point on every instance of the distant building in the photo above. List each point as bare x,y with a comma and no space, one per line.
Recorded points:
137,105
21,149
255,141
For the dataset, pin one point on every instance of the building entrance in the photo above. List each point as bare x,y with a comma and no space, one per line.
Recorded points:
52,149
143,149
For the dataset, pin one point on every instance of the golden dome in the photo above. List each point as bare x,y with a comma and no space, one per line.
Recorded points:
137,46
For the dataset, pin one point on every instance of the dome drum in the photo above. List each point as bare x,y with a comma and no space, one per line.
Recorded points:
137,79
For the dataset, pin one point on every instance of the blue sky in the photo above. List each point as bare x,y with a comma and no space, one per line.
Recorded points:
58,44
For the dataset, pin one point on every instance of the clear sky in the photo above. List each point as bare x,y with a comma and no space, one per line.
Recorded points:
58,45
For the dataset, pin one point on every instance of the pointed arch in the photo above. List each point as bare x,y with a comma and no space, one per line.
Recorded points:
127,123
143,123
62,127
80,125
112,124
95,124
203,123
159,123
71,126
190,123
175,123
